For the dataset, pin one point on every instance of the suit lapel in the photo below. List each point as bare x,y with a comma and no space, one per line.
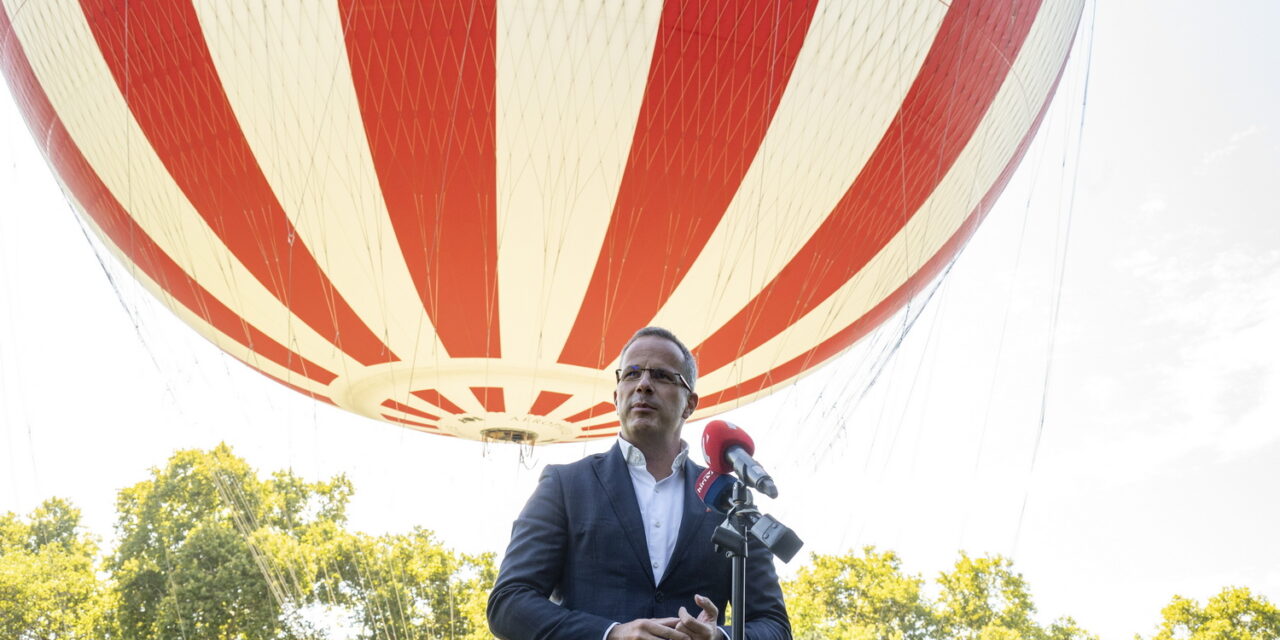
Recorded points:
691,521
611,470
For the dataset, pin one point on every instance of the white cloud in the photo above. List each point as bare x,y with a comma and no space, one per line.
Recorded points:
1224,372
1154,204
1233,144
1251,130
1188,369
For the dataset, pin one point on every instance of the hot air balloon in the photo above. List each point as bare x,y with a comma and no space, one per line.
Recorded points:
451,215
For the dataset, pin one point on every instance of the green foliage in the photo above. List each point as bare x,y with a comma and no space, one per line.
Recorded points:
412,584
48,587
848,597
209,550
982,598
187,565
1233,614
854,597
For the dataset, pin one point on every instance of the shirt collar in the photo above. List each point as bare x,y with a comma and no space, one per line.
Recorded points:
635,457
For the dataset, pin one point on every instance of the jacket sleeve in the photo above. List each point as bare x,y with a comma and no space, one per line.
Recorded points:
519,605
768,619
766,612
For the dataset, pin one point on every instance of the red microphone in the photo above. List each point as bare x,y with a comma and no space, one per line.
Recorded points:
728,450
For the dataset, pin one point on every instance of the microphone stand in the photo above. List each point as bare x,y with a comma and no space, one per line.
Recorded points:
731,540
742,522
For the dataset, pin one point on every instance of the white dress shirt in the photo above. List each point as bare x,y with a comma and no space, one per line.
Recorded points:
661,509
661,504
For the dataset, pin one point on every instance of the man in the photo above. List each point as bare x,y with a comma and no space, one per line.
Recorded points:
617,546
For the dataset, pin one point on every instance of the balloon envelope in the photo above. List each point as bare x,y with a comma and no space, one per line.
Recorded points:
452,215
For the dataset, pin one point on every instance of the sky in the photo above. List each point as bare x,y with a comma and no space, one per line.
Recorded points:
1093,390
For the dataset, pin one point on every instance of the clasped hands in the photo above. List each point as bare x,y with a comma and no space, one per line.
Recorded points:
684,627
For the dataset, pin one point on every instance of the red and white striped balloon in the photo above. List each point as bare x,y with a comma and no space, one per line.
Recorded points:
452,214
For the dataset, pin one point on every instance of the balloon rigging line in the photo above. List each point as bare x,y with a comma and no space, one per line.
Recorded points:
4,374
939,284
883,356
933,350
1063,246
909,322
1004,324
927,350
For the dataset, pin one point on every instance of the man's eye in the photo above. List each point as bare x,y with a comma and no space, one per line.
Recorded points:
662,375
632,374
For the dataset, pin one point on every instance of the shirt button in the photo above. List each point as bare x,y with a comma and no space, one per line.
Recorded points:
655,565
657,525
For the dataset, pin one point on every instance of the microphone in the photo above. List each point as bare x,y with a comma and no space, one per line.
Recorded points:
728,450
715,490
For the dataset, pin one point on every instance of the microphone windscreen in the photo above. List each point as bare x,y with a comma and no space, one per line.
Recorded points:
715,490
717,438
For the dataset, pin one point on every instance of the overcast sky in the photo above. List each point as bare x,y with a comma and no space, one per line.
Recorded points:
1093,390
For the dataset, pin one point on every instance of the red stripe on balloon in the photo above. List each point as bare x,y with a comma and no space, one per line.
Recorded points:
410,422
157,53
594,435
313,395
718,73
967,64
404,408
434,397
599,409
837,343
606,425
490,398
100,204
424,74
547,402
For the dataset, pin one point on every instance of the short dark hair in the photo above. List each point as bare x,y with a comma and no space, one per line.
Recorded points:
690,365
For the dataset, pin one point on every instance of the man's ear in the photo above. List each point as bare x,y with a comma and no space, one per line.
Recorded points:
689,405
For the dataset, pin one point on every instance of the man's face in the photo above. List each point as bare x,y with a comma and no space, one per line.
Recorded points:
647,407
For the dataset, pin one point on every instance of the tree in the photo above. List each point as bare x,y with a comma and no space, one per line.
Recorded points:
849,596
985,599
413,585
1233,614
869,597
202,551
209,550
48,587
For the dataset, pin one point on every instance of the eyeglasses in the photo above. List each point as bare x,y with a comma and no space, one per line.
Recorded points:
634,373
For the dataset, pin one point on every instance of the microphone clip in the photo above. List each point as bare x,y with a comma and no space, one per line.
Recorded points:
744,521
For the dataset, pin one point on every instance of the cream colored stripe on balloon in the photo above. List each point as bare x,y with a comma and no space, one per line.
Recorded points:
285,71
856,66
978,166
571,77
66,61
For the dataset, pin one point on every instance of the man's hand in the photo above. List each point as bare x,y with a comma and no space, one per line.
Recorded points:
704,626
649,629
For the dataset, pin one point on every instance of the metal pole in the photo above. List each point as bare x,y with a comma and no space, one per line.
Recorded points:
741,498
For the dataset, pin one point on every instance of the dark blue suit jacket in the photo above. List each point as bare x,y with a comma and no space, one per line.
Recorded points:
578,561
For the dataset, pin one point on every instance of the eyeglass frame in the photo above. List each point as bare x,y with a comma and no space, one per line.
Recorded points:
617,373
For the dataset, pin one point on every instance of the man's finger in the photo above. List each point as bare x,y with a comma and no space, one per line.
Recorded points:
708,608
660,629
697,629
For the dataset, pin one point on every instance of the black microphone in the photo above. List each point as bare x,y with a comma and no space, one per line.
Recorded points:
728,449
